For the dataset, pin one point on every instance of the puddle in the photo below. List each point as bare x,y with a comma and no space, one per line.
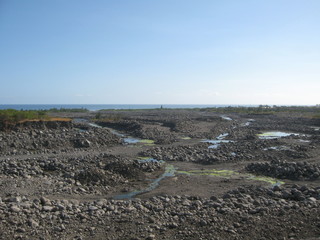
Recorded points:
131,140
246,124
169,172
226,118
222,136
126,139
230,173
149,159
216,143
278,148
185,138
219,139
304,141
274,135
94,125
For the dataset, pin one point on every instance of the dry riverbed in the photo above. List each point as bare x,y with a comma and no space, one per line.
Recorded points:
161,174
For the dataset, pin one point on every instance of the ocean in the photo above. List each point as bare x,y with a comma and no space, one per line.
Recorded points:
96,107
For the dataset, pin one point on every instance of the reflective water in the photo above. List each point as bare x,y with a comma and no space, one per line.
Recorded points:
279,148
226,118
222,136
216,143
275,134
169,172
185,138
149,159
247,123
126,139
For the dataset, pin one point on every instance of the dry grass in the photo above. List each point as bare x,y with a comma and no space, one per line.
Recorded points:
48,119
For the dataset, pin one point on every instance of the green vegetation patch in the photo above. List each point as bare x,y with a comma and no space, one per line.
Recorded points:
144,158
186,138
147,142
229,174
211,172
270,180
11,117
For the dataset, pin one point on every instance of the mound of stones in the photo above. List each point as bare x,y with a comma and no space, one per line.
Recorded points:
286,170
128,126
290,124
198,153
48,139
82,174
38,125
242,134
183,126
163,217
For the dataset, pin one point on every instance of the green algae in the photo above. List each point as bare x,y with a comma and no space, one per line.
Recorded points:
144,158
229,174
270,180
147,142
185,138
210,172
274,134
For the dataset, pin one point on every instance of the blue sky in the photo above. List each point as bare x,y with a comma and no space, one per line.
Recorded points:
160,52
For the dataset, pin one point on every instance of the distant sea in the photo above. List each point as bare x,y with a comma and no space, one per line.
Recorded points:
95,107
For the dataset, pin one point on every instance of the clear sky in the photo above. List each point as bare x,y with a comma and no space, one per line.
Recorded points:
160,52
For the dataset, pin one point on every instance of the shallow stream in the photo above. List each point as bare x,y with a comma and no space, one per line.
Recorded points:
126,139
169,172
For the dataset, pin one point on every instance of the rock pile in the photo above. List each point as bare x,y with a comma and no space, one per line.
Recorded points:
51,140
286,170
162,217
86,174
199,153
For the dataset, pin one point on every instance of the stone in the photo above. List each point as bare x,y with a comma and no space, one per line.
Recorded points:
45,201
15,208
15,199
47,208
33,223
312,199
93,208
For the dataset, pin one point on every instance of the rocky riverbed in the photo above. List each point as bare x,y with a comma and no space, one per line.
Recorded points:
63,180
